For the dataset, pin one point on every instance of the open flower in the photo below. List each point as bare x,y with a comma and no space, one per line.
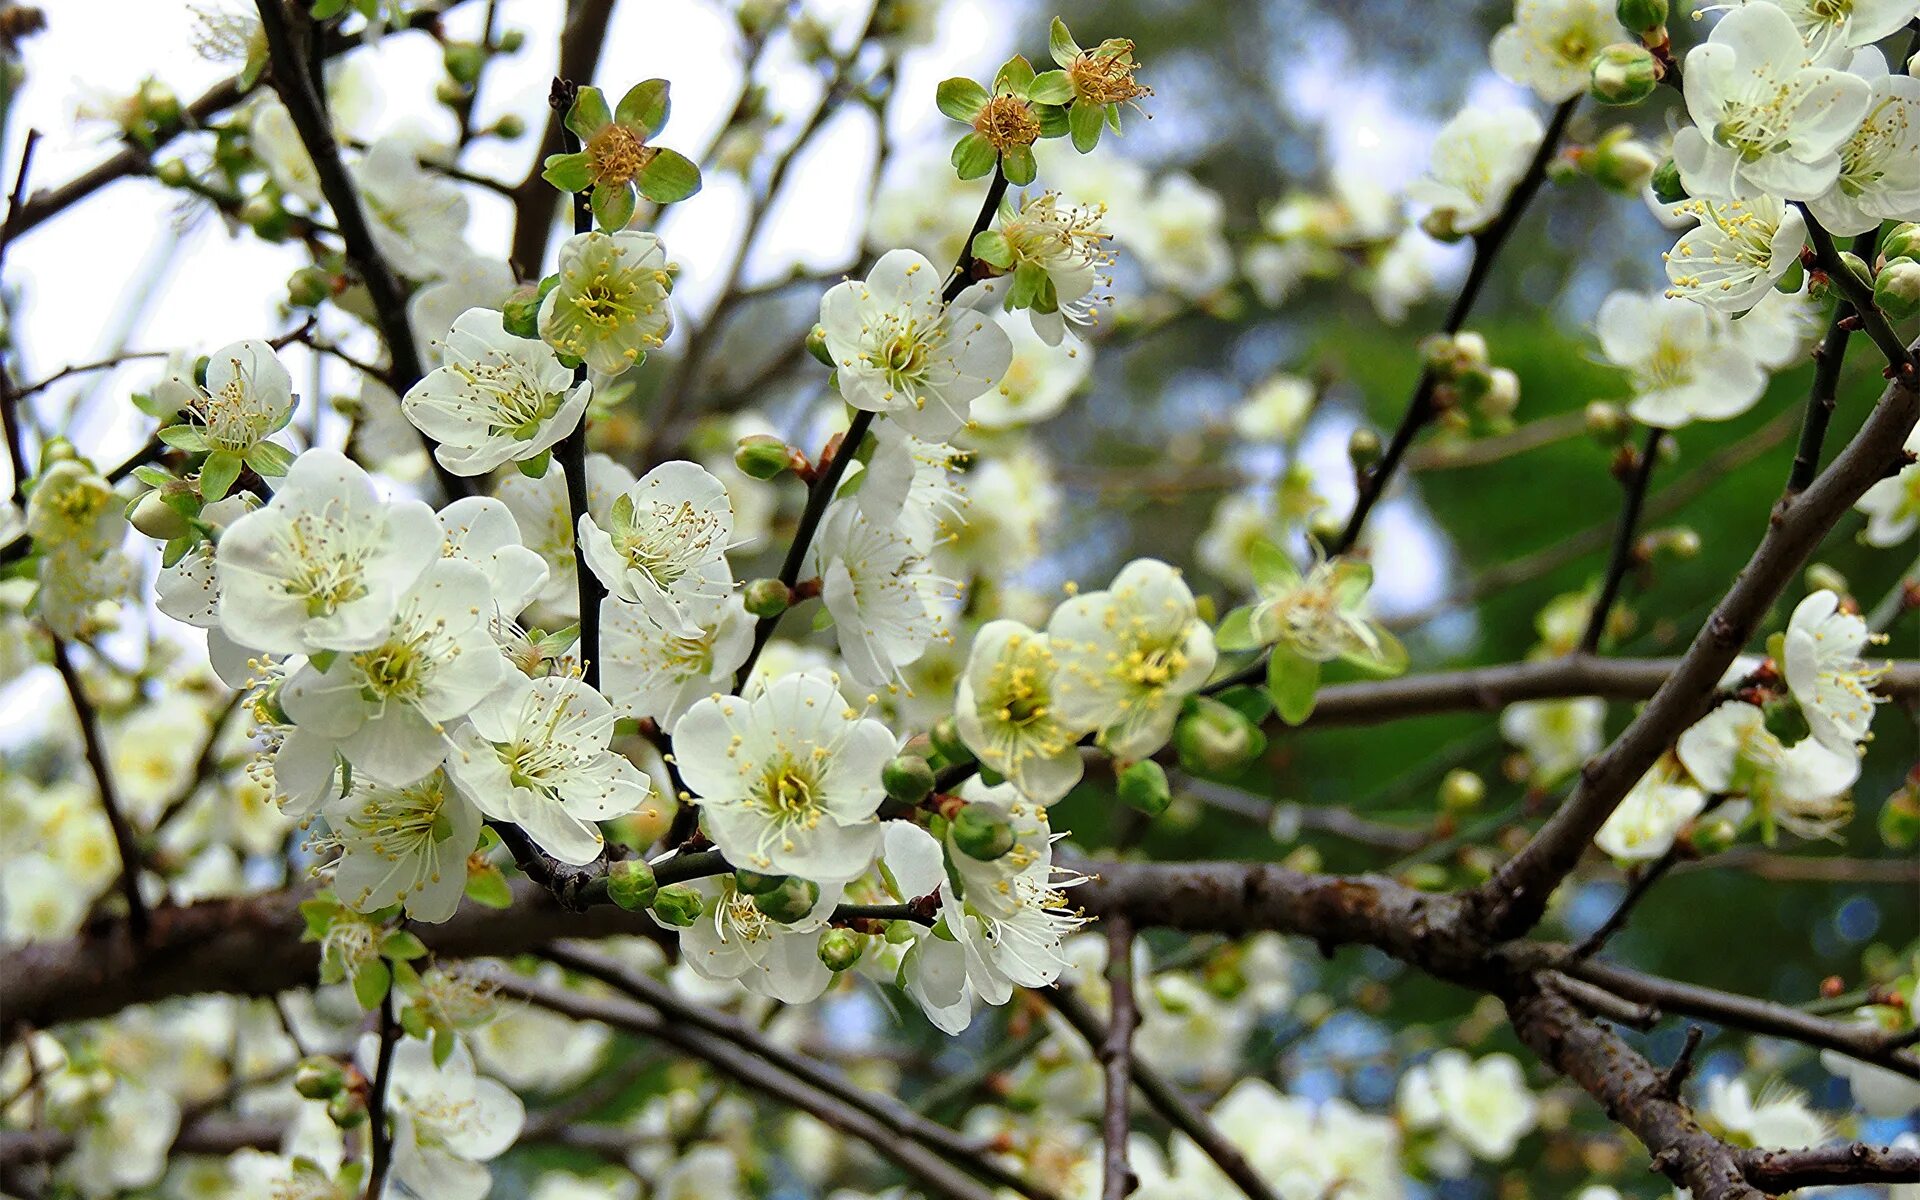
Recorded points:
389,703
448,1121
1551,43
616,155
1557,736
496,398
1651,816
1477,158
322,566
1737,251
247,399
650,670
535,752
1007,121
1134,652
403,845
1778,1119
789,781
1879,175
899,349
610,306
1829,680
1765,120
734,939
664,546
419,219
886,601
1009,712
1483,1106
1102,81
1893,504
1828,27
540,509
481,530
1684,363
1051,254
1802,787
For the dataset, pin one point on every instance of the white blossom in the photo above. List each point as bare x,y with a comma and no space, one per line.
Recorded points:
418,219
1802,787
610,306
1681,358
664,545
1777,1119
495,399
1557,736
1893,504
1009,712
878,584
1879,175
1551,43
649,670
1737,251
1827,677
403,845
734,939
1478,157
448,1121
1483,1106
1134,653
1650,817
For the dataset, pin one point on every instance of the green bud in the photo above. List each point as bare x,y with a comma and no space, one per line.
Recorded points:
1363,448
450,91
1667,187
1326,526
464,61
791,901
309,287
907,778
1462,790
1822,577
981,832
172,172
265,216
347,1109
509,127
767,597
1620,163
520,315
677,905
1501,396
1682,541
153,516
1713,836
1896,290
1623,73
319,1077
1143,785
631,885
1606,424
945,736
1859,268
762,456
754,883
511,40
1641,16
817,346
1425,877
1214,738
841,948
1902,241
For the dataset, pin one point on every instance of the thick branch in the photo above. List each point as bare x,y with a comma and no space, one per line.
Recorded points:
1778,1171
1116,1061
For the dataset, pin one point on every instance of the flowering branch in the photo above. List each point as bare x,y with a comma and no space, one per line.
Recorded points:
581,40
1900,360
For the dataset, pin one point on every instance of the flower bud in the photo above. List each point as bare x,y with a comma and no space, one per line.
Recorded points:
1502,395
1214,738
1143,786
1620,163
1606,424
1363,448
1462,790
907,778
1896,290
1902,241
511,40
981,832
791,901
153,516
1682,541
450,91
1641,16
1712,836
1900,819
841,948
264,216
172,172
520,315
1425,877
757,883
1326,526
1623,73
945,737
631,885
762,456
1821,577
509,127
309,287
347,1108
463,60
1666,183
677,905
817,346
767,597
319,1077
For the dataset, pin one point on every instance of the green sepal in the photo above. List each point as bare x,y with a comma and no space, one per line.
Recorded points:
1235,631
178,548
1018,165
1050,87
269,459
322,660
973,156
401,945
217,474
326,10
1028,279
1250,702
1388,660
613,205
1060,43
371,982
1014,77
669,177
535,467
589,113
443,1044
1083,122
961,99
568,172
190,438
414,1020
488,886
153,477
1053,120
1292,681
645,105
621,514
990,246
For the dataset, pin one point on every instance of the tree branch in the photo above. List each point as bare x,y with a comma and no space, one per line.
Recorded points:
1620,561
1824,396
1116,1059
96,750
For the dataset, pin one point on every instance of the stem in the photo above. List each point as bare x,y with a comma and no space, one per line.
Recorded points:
1621,558
96,750
1860,296
571,453
1116,1058
381,1154
1828,358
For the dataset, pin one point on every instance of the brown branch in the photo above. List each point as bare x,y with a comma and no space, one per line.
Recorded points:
1779,1171
1859,295
1116,1059
96,751
534,199
380,1138
1513,900
1824,396
1620,560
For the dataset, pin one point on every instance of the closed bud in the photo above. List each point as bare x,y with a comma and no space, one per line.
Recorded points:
981,832
1823,578
153,516
631,885
511,41
159,104
1143,786
1606,424
1363,448
1902,241
1425,877
1502,396
817,346
1713,836
450,91
677,905
1666,184
1623,73
1214,738
791,901
1326,526
1620,163
907,778
1462,790
1641,16
520,315
347,1108
1896,290
172,172
265,216
841,948
509,127
756,883
767,597
1858,267
1900,820
308,287
762,456
463,61
319,1077
1682,541
945,736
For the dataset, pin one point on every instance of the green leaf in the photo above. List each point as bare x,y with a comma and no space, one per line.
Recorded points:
568,172
1236,631
973,156
1027,280
1292,681
1015,77
1060,43
190,438
669,177
371,982
177,548
613,206
402,945
589,114
217,474
326,10
1051,87
269,459
990,246
488,886
961,99
1083,122
645,105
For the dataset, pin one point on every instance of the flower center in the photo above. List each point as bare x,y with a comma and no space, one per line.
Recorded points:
1104,74
788,792
1008,121
616,154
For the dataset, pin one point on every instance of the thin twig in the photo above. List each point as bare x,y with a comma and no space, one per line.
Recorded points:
96,751
1823,396
1873,322
380,1137
1116,1057
1621,558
